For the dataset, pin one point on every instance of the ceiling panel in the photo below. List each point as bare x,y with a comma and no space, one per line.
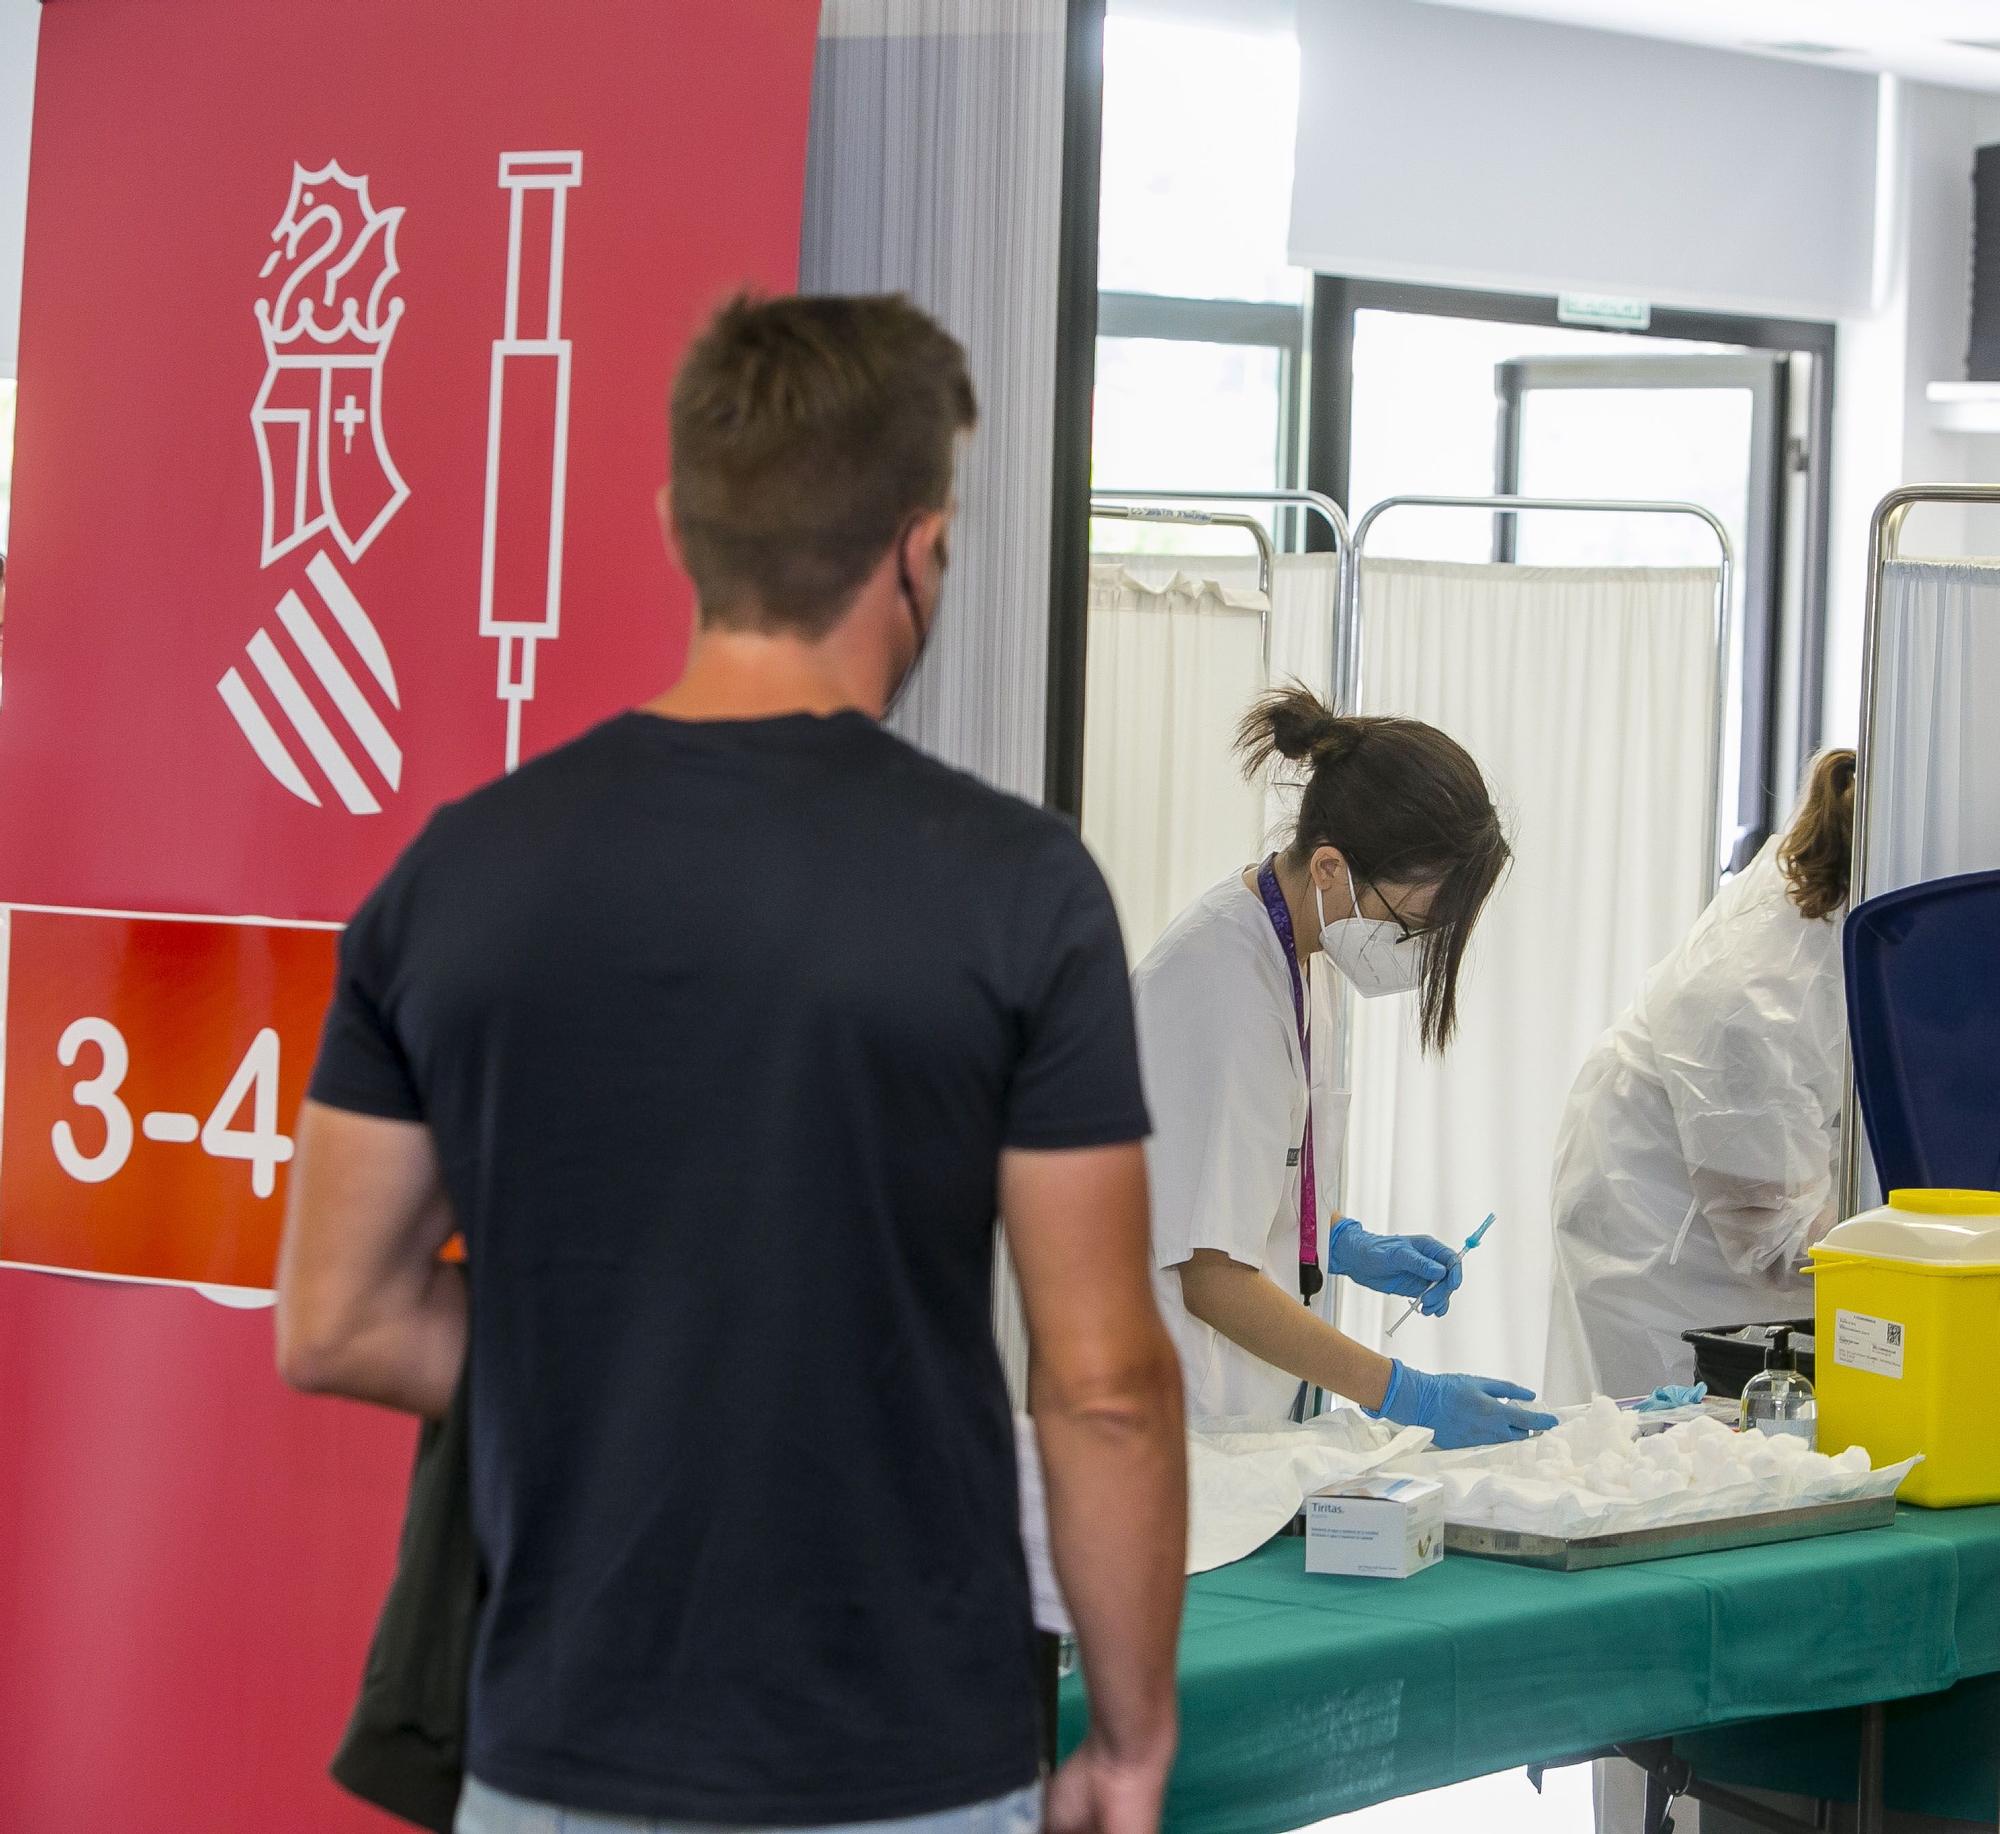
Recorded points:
1954,42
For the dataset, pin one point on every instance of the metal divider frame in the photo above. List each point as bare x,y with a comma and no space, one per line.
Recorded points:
1103,510
1185,507
1885,531
1349,626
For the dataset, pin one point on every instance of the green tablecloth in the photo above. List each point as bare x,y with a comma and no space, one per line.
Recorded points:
1943,1754
1943,1749
1304,1696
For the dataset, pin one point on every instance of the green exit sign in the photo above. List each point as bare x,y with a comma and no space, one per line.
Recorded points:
1604,310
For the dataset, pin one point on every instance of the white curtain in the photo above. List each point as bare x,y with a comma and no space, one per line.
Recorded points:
1304,588
1162,795
935,169
1165,809
1587,696
1934,782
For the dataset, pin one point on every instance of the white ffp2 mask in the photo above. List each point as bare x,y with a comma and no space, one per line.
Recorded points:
1373,953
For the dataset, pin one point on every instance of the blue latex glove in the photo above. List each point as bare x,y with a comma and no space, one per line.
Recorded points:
1405,1265
1661,1400
1461,1410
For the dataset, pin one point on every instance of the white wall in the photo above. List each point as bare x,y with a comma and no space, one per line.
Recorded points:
1884,434
18,22
1407,170
1470,149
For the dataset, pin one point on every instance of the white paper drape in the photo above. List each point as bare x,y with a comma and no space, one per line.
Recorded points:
1934,781
1587,697
1303,592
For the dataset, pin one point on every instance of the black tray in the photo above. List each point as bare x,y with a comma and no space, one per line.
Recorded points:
1725,1360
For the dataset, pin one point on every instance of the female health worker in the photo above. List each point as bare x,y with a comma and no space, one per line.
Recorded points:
1696,1161
1396,849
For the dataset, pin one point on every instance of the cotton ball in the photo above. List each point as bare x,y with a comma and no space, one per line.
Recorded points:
1600,1428
1650,1484
1612,1474
1705,1429
1766,1461
1682,1472
1546,1456
1854,1462
1711,1464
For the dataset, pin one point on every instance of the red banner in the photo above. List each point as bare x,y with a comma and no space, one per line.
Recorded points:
190,1561
346,336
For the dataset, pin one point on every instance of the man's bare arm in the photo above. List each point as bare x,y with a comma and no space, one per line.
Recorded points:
1105,1392
365,1307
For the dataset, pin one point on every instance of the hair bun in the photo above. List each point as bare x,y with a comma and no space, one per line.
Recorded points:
1339,737
1293,723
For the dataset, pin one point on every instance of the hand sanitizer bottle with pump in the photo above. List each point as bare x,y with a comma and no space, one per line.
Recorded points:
1780,1400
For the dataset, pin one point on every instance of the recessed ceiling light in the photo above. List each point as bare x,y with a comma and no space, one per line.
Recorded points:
1802,48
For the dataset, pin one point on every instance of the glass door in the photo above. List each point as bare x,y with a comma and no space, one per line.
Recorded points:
1703,429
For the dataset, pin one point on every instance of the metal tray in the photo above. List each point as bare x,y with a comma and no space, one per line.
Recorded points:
1671,1541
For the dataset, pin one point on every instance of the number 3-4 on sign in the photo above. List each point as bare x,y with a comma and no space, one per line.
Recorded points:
255,1081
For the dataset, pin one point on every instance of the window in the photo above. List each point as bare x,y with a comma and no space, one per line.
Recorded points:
1422,418
1201,323
1195,395
1197,179
1432,391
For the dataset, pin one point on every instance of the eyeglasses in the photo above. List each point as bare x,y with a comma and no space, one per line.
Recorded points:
1406,930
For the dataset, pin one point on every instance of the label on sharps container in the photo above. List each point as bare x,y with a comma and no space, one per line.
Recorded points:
1874,1344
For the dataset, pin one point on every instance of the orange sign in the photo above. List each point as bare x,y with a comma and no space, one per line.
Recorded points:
154,1069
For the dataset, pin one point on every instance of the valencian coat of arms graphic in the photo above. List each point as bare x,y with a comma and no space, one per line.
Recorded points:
327,323
327,319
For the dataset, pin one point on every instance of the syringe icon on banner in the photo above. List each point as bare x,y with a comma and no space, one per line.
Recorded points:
527,431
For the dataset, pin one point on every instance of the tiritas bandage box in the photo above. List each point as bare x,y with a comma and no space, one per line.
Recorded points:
1375,1527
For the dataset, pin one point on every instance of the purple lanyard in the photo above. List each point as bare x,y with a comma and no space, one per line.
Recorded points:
1310,1277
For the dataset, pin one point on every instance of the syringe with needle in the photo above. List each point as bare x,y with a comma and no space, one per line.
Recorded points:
1471,1242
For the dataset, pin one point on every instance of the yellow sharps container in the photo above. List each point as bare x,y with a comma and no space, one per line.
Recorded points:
1907,1341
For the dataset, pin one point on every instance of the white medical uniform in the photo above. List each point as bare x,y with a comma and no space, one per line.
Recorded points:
1697,1154
1226,1087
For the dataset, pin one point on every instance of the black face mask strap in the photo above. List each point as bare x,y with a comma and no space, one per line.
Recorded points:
907,588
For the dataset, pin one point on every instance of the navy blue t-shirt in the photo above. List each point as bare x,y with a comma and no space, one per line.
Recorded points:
720,1030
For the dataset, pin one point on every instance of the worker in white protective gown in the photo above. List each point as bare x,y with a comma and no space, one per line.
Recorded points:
1697,1157
1396,851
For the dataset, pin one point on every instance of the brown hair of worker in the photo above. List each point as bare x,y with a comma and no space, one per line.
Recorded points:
1817,853
1404,805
